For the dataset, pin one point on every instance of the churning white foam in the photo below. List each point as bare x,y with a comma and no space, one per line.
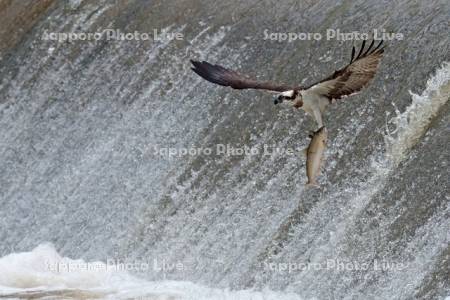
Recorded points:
43,273
414,121
44,269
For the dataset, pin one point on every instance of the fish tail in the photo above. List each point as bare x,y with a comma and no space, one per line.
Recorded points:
312,183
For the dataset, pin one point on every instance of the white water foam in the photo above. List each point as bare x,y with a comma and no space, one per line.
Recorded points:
43,273
414,121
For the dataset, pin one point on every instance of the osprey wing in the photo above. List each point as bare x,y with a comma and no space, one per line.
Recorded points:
226,77
353,77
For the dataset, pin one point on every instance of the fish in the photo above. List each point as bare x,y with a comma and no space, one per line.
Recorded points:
314,155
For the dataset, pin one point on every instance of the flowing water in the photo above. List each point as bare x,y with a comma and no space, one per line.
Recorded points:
108,189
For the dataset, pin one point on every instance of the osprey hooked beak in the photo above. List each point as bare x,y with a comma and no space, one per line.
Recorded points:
279,99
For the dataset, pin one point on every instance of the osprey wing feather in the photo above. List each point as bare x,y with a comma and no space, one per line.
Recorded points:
225,77
353,77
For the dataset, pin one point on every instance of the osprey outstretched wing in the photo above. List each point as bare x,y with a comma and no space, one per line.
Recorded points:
353,77
225,77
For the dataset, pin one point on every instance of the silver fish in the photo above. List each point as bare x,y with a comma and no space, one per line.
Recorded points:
314,155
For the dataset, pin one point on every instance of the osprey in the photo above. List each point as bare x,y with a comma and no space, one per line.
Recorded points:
312,99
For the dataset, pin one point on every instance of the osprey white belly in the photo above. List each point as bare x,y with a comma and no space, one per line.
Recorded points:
314,105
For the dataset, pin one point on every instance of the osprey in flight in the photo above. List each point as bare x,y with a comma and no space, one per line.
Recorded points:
315,98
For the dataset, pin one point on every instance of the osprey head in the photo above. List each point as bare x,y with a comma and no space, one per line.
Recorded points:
292,95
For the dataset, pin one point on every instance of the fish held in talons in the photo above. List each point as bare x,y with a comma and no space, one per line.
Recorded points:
314,155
